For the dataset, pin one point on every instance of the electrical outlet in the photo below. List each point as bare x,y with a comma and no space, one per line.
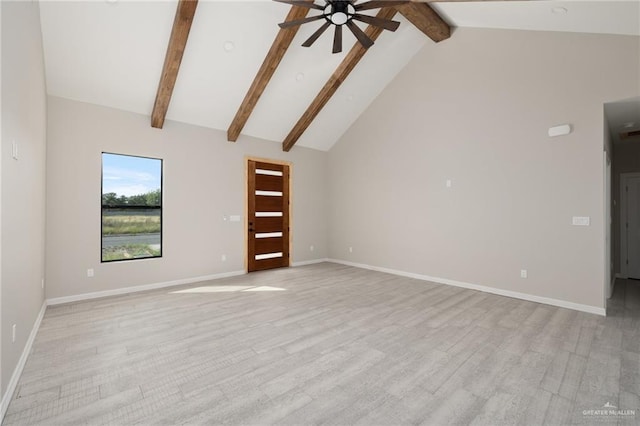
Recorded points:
89,272
13,333
311,248
523,273
580,220
223,257
350,249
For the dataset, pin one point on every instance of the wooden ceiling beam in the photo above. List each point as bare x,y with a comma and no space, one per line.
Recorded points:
425,19
175,50
267,69
339,76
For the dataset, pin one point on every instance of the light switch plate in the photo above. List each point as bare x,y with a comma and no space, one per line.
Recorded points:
581,221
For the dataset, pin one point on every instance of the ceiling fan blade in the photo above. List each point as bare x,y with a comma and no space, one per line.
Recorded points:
337,39
382,23
290,24
317,34
301,3
360,35
377,4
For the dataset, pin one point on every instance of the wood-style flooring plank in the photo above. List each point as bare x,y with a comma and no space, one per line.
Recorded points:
338,345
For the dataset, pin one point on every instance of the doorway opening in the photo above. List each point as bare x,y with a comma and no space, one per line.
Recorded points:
630,225
622,191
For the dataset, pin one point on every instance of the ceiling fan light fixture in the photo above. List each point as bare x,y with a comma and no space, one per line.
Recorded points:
339,18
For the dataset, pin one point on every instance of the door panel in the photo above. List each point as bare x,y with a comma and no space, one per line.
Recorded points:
268,183
269,245
267,213
270,166
268,224
268,264
265,203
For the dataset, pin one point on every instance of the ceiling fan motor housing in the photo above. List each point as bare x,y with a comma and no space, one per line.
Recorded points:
339,12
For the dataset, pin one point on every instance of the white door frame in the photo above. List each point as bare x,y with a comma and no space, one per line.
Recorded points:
608,229
624,271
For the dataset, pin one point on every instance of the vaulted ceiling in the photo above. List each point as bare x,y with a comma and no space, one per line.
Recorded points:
112,53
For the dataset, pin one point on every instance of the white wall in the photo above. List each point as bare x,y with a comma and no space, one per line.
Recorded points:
2,147
475,109
204,179
23,181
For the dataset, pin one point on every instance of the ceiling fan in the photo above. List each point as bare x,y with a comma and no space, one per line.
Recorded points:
340,13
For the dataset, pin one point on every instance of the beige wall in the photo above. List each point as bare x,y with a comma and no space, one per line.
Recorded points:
475,109
204,180
23,185
626,159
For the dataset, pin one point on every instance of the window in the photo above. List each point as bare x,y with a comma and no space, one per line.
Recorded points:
131,207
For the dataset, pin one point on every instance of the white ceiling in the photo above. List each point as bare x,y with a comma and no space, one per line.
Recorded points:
602,17
111,53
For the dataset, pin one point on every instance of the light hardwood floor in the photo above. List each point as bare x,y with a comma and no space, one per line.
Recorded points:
336,345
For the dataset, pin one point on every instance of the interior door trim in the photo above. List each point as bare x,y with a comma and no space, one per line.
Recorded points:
246,204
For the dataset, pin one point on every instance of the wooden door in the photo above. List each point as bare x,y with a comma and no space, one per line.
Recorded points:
267,215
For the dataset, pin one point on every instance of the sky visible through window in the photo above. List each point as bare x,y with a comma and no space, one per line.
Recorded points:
127,175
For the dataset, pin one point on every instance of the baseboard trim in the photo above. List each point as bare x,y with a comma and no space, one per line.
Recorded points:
492,290
309,262
154,286
17,372
136,289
